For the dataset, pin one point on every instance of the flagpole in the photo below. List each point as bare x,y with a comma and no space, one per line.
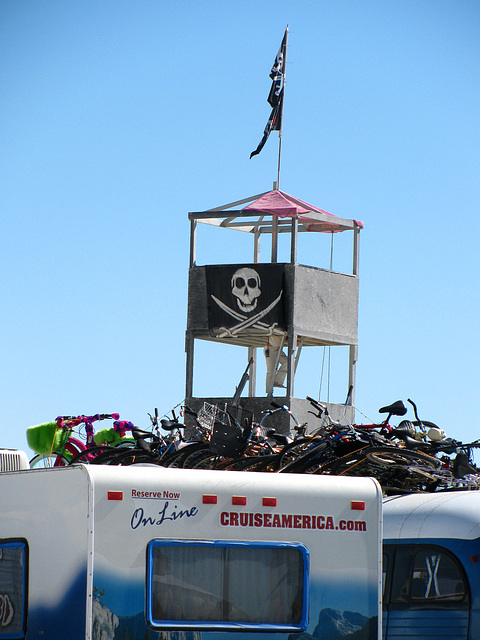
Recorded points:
284,73
279,154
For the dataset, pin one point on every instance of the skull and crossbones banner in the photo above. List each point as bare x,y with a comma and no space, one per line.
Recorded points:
242,297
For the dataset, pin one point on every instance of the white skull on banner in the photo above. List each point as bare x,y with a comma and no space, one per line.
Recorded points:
246,288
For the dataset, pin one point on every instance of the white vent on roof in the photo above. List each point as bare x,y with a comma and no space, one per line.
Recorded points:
13,460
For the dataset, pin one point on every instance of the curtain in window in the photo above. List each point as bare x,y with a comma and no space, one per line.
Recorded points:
238,584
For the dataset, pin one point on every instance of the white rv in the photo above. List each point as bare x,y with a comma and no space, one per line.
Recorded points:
100,553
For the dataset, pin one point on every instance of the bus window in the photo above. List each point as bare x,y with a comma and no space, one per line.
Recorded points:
423,575
436,576
400,588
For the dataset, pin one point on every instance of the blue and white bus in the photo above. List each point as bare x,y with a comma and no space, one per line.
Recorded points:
431,566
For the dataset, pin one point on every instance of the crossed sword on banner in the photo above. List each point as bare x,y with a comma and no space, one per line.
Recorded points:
254,321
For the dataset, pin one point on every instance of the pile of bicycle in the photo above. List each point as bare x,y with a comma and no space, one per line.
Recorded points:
412,456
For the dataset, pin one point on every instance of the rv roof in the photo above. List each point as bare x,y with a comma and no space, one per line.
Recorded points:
453,514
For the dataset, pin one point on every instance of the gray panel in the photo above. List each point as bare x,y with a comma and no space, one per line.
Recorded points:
197,314
325,304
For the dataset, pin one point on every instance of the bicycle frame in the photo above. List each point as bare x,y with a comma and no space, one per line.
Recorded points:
71,447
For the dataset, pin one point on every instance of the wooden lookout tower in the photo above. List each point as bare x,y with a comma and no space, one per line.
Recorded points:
244,304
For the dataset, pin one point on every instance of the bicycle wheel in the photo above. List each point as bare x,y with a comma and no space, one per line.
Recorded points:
355,464
388,457
183,457
317,463
128,457
295,449
125,443
264,464
47,460
210,461
139,456
407,471
109,454
195,457
396,471
314,455
92,455
408,481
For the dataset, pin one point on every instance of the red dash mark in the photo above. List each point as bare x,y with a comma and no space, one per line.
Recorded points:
358,505
115,495
269,502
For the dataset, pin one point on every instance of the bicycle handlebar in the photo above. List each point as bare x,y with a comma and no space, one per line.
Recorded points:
278,407
420,423
65,422
122,426
321,408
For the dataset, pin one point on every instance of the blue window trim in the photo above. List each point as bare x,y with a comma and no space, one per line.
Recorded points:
227,626
23,545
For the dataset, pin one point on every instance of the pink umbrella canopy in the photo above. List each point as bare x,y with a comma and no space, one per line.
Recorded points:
284,205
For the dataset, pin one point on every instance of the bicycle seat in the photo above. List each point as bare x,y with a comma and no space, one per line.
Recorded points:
413,444
138,433
140,439
280,438
398,408
462,466
170,425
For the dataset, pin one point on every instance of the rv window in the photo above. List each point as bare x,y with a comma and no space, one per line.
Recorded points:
227,585
13,591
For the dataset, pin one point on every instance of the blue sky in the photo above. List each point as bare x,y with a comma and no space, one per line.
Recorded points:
118,118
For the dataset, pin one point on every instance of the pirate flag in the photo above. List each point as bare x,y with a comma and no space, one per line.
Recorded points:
245,297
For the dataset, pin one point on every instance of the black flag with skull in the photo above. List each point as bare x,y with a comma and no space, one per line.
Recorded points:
245,297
